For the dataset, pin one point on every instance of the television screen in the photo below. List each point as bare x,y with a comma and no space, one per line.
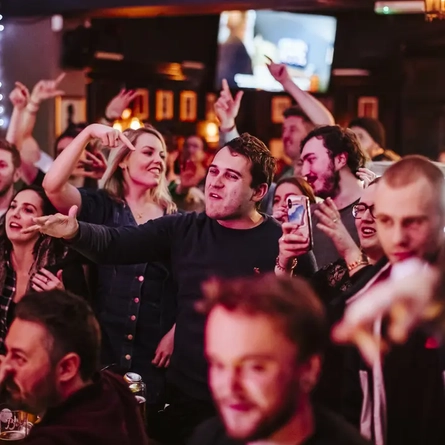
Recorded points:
304,42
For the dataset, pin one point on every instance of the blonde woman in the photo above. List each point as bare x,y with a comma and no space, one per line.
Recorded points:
135,304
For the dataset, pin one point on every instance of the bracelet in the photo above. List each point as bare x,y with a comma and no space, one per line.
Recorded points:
32,108
111,121
283,269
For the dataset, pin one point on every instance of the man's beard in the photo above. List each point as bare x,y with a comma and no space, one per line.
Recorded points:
44,395
331,184
284,412
5,189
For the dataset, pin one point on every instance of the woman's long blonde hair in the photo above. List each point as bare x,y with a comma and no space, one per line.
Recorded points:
113,178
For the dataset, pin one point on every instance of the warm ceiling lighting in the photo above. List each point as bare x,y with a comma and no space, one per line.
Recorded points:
434,9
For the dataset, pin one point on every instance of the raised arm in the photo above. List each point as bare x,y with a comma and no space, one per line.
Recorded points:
314,109
43,90
226,110
104,245
62,194
117,105
28,148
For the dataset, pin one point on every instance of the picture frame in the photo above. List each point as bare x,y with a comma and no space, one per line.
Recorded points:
164,105
69,109
278,105
368,106
188,106
276,148
141,107
211,98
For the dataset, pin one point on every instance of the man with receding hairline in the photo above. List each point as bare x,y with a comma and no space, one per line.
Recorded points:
404,399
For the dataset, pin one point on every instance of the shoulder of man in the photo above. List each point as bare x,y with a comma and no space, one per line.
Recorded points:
334,427
211,432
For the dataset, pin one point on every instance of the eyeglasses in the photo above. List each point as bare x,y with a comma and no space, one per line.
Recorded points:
359,209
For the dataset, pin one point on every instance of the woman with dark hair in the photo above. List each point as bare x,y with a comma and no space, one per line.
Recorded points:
32,261
287,187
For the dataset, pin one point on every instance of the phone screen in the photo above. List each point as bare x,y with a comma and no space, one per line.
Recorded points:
296,213
299,213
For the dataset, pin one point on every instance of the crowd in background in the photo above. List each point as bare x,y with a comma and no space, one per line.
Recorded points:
187,271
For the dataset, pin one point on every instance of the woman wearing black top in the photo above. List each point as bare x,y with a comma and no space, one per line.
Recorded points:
32,261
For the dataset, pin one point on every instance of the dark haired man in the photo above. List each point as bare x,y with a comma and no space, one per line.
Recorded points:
231,238
371,134
263,369
331,159
50,370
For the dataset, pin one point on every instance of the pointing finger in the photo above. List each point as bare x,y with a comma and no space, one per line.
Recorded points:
126,141
60,78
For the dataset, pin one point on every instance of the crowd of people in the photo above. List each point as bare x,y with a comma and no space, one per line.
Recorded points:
123,254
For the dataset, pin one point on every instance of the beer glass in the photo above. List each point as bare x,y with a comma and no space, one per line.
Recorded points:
14,425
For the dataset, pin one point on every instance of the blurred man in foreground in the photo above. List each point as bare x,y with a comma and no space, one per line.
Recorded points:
263,369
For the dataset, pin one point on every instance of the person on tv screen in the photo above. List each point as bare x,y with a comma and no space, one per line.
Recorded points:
233,56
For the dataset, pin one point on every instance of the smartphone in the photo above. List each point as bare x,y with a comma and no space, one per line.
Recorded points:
299,212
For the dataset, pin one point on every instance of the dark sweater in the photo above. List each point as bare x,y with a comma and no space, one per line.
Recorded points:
197,248
329,430
103,413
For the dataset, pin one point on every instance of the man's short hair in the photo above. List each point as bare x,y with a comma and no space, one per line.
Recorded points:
296,111
339,140
290,302
373,127
71,325
11,148
263,164
412,168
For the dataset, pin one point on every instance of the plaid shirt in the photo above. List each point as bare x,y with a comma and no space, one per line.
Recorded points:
6,296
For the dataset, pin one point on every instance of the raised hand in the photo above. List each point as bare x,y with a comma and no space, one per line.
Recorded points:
366,176
47,89
96,163
19,96
406,299
227,107
109,136
57,226
278,71
44,280
119,103
330,223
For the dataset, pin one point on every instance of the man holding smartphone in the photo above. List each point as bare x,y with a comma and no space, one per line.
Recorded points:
231,239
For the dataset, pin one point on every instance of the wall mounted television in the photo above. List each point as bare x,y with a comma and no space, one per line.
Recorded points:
304,42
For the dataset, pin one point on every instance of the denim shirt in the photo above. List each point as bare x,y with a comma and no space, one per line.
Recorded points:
135,304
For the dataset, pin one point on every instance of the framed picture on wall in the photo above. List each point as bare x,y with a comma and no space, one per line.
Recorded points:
210,106
278,105
141,108
164,105
188,106
70,109
368,107
276,148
